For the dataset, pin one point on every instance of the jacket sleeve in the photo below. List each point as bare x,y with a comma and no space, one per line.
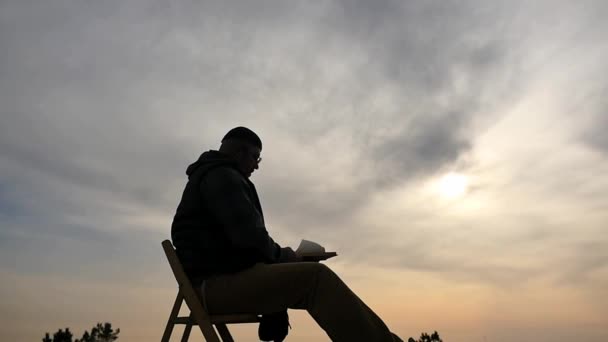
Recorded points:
227,196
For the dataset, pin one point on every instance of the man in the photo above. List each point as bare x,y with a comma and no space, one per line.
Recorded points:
222,242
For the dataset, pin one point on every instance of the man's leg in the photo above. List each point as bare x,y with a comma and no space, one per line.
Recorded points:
309,286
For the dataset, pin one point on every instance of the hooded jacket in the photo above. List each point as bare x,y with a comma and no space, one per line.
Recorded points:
219,226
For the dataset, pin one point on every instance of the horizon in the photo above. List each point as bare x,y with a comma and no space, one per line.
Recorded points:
454,155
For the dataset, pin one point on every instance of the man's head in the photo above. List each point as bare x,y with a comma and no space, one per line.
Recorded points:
244,146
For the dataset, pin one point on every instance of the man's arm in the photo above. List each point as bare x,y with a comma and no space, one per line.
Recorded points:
226,195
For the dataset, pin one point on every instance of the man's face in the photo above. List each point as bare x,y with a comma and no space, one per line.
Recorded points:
248,160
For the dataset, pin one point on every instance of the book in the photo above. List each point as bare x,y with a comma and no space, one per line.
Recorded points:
312,251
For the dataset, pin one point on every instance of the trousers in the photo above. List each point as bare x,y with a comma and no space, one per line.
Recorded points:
310,286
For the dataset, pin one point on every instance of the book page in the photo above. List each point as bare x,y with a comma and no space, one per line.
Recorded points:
312,251
309,247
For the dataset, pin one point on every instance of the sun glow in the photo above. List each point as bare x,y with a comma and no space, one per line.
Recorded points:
452,185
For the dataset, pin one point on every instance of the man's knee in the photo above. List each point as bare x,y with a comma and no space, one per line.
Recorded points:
323,269
312,273
316,268
322,274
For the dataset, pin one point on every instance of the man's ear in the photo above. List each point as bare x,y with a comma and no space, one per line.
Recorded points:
241,154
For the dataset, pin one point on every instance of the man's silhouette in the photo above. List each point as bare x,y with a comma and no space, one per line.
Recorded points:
222,242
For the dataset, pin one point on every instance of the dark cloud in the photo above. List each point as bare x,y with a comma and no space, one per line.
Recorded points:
418,43
420,149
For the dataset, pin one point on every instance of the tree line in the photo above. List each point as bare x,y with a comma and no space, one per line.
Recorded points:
424,337
99,333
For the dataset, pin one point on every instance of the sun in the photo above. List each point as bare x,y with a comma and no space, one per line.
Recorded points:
452,185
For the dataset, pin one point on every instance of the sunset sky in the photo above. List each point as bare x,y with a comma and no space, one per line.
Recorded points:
453,153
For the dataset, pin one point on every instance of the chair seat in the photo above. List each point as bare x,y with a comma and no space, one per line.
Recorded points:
227,319
237,318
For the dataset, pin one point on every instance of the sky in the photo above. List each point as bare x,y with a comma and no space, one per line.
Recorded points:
453,153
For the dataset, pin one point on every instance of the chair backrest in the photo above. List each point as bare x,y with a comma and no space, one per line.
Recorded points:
191,296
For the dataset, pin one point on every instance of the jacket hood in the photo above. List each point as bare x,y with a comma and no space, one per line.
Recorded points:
208,159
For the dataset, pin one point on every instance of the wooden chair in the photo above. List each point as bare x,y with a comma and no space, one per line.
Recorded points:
198,314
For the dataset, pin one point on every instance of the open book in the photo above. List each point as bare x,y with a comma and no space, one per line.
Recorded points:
312,251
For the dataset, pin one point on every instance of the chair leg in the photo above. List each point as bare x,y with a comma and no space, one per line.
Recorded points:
187,330
174,312
197,316
224,333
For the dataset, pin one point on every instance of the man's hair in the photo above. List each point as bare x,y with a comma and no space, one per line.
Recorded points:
243,134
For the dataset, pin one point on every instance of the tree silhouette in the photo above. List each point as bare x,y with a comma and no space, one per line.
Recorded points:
59,336
99,333
106,333
86,337
424,337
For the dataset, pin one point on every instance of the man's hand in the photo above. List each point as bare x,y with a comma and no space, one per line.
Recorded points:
288,255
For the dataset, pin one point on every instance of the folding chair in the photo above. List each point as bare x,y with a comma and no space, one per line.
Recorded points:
198,315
